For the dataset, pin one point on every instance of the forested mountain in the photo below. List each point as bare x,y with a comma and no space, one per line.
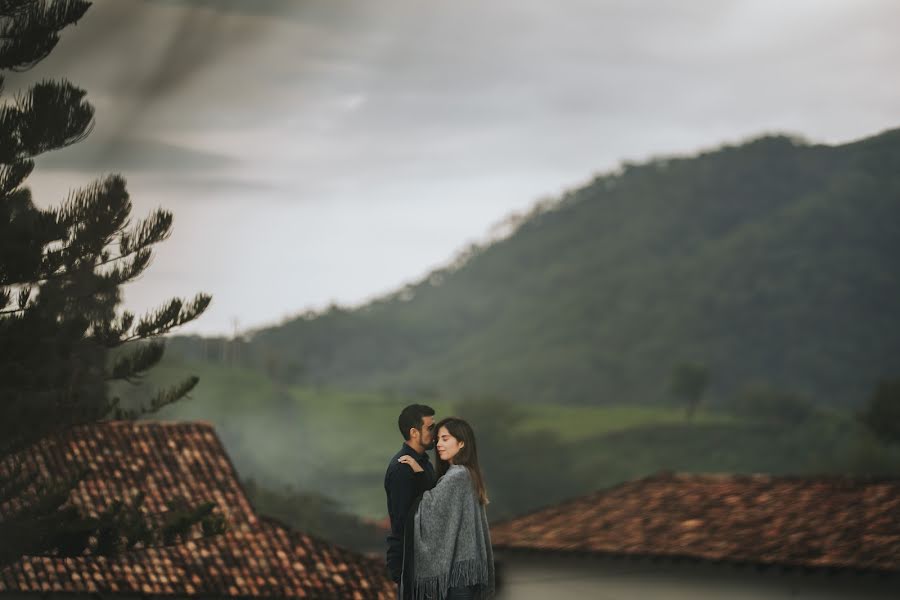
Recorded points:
773,261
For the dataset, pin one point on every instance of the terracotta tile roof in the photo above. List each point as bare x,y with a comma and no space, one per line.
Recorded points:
822,522
256,558
161,459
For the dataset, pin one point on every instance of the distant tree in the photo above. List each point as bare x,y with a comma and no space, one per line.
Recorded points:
62,339
881,414
688,382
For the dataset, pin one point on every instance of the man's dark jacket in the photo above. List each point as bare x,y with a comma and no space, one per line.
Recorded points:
402,487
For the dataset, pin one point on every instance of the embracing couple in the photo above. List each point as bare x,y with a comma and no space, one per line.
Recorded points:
439,547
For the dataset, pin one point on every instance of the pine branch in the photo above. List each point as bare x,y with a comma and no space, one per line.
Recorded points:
13,175
53,494
46,498
56,275
152,230
51,115
169,316
213,524
181,518
134,364
161,399
24,296
5,299
93,215
134,526
112,259
11,8
129,270
132,245
109,334
173,394
25,232
31,29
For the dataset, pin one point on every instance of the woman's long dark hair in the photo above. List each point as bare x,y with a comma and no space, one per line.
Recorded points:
467,455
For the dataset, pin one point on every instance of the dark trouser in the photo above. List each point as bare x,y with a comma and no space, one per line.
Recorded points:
454,593
461,593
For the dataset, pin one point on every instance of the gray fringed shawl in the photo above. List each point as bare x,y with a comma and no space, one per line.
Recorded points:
451,538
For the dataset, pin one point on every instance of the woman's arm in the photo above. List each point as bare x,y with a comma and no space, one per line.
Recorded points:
436,512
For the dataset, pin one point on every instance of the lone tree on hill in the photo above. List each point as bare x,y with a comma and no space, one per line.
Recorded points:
62,339
688,382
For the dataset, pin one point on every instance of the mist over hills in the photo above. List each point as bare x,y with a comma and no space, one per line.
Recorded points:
771,261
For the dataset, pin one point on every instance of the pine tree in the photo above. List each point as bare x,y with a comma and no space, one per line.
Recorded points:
62,337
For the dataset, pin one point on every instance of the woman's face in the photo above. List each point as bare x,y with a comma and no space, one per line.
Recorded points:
447,445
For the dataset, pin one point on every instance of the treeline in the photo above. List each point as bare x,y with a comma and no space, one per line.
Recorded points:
770,261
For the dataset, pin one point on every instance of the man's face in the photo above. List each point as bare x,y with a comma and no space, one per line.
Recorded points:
427,432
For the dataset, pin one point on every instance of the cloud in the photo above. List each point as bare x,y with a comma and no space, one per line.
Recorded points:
140,54
247,7
132,155
394,117
309,11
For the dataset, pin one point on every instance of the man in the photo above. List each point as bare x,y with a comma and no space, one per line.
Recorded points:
401,485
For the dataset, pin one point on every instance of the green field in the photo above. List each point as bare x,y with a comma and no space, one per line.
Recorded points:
574,423
337,443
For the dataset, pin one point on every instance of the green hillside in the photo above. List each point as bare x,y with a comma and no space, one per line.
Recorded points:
338,444
773,261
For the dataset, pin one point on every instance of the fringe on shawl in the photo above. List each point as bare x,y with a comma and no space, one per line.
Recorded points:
462,573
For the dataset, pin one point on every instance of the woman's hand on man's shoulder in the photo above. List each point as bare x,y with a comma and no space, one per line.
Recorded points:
412,462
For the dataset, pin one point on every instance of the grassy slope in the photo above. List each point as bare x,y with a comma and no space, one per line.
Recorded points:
337,443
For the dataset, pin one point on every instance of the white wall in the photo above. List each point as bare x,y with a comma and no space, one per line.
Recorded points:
551,577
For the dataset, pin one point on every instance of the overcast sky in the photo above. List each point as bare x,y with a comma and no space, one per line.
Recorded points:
332,151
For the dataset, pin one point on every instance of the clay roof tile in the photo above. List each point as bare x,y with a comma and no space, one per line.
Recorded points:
833,522
255,558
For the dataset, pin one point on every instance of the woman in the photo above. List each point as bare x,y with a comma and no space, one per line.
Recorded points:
450,539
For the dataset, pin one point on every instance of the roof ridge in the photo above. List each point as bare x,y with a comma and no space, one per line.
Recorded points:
716,516
685,476
759,475
148,423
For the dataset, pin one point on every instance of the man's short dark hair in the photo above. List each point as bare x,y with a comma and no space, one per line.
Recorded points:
413,416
